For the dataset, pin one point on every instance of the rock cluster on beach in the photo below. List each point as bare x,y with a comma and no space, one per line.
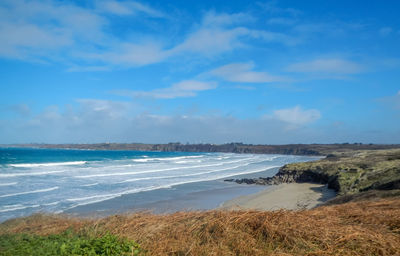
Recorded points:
282,177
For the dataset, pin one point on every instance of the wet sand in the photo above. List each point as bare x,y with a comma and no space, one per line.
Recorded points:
293,196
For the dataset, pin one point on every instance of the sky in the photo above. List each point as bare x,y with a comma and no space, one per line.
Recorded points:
260,72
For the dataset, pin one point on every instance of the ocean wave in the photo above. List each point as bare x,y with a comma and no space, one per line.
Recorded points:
90,185
7,175
8,184
15,207
101,198
165,158
186,175
159,170
48,164
30,192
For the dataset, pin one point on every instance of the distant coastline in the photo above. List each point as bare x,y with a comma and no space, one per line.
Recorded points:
289,149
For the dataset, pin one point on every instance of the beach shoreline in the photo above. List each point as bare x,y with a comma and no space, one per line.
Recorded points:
288,196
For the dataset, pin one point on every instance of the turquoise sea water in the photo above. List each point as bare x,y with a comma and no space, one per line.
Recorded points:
52,180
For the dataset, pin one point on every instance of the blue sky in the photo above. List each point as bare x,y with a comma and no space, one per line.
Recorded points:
263,72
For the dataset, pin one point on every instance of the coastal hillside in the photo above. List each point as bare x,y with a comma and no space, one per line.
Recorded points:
348,172
361,228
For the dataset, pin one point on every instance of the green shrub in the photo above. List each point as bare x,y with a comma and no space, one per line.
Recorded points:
67,243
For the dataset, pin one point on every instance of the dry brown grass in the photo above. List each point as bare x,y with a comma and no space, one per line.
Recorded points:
360,228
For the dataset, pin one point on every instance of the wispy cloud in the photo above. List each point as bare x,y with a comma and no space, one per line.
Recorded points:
22,110
88,68
33,29
81,36
391,101
186,88
297,116
327,66
243,73
212,19
127,8
130,54
63,32
273,7
385,31
211,41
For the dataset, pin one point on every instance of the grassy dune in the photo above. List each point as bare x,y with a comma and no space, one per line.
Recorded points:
357,228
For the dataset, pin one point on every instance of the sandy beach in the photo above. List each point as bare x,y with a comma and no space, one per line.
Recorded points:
293,196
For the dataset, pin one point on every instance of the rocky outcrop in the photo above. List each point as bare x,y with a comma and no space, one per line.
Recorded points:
292,176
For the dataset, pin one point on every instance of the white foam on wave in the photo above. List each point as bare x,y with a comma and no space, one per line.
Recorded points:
30,192
159,170
220,177
165,158
7,175
186,175
8,184
15,207
186,161
48,164
90,185
142,160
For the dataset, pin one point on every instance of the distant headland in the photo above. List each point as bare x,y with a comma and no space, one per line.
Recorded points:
289,149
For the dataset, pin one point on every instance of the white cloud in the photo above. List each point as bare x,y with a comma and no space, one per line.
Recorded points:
186,88
210,41
111,109
81,36
214,36
297,116
327,66
49,30
43,30
242,73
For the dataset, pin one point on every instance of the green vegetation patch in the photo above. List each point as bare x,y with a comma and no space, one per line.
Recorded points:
352,172
67,243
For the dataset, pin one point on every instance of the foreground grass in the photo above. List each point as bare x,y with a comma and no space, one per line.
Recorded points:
356,228
66,243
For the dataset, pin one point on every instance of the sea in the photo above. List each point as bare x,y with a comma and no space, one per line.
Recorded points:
101,182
